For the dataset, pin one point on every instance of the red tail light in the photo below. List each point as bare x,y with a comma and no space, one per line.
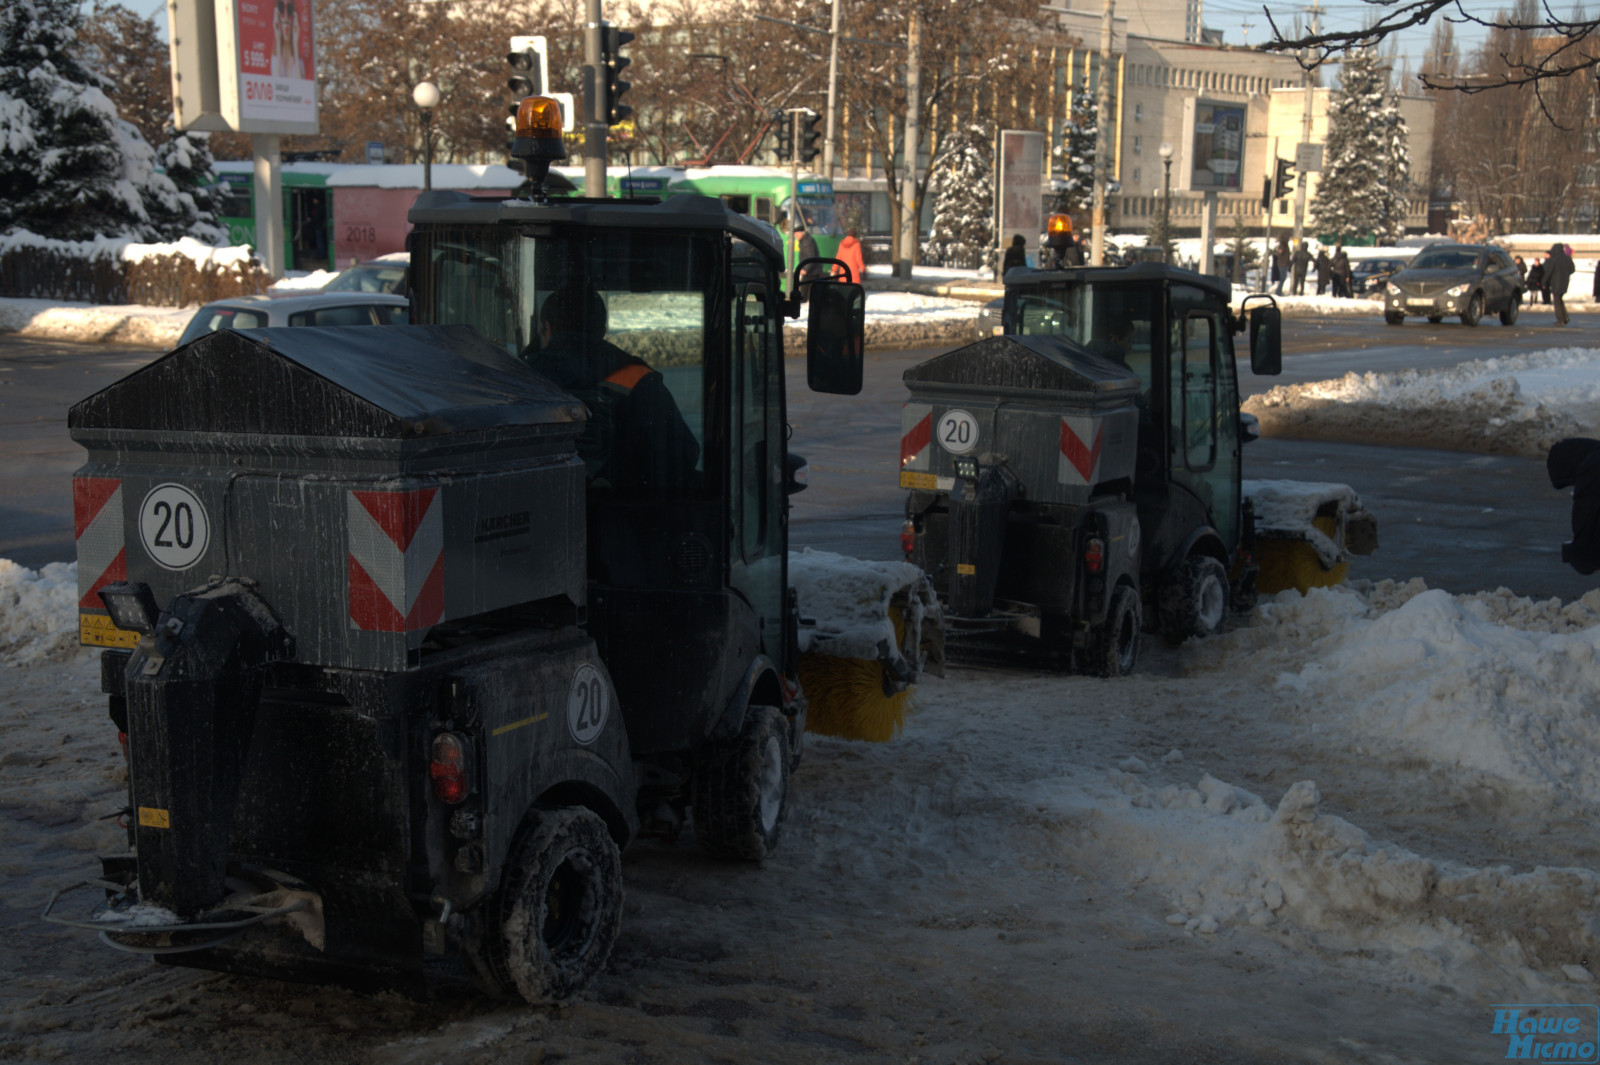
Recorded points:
1094,555
122,738
448,770
908,538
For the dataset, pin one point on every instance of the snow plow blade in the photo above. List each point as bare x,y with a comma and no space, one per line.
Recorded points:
868,631
1306,532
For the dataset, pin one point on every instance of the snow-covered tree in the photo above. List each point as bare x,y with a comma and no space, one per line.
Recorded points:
1074,157
963,199
1366,169
186,157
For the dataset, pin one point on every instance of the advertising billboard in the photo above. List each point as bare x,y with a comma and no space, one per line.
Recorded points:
1216,146
1021,201
266,63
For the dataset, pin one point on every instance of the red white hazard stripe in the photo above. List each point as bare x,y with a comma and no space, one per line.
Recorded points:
916,433
1081,443
396,561
97,528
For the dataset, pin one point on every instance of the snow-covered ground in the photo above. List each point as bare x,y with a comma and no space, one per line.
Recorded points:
1342,832
1518,404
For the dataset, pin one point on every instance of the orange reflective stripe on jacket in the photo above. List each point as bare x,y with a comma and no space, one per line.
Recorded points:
629,375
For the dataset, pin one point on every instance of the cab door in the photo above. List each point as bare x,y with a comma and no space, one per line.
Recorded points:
758,535
1203,436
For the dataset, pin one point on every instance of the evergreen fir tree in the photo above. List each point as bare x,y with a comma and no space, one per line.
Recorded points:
67,162
1367,163
963,200
186,158
1074,157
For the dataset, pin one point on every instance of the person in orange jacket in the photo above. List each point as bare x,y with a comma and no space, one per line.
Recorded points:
850,255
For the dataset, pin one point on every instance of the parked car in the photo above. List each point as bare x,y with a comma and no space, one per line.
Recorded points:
1449,279
1368,276
989,318
386,273
318,308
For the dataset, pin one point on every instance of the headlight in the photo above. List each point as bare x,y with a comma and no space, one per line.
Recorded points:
1394,289
1458,290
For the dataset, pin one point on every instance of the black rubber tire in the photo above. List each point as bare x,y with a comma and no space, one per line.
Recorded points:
742,789
1435,319
1512,309
1394,319
1194,601
1474,310
1113,648
565,881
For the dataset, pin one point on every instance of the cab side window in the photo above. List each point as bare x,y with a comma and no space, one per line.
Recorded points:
1195,350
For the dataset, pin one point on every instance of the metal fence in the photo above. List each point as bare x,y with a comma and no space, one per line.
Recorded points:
160,281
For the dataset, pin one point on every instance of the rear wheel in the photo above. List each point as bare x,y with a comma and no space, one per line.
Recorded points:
1194,601
1474,310
1394,319
561,908
742,789
1113,648
1508,316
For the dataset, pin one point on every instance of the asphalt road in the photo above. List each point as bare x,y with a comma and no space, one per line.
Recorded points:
1460,521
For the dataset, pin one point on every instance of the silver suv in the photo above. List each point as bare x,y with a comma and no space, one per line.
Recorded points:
1448,279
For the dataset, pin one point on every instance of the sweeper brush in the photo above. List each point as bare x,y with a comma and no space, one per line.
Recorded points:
868,631
1306,533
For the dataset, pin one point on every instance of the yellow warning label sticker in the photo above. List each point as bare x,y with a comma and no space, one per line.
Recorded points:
96,630
150,817
912,479
966,569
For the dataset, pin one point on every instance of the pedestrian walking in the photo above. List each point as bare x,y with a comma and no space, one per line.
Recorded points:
1341,273
850,254
805,247
1280,265
1016,255
1557,274
1536,280
1596,293
1297,268
1522,267
1324,270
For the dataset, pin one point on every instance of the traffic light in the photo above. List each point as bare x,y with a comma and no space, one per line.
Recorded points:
612,63
1283,183
809,137
782,125
530,70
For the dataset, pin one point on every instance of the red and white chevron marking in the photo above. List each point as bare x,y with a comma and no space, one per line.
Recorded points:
916,433
97,528
1081,443
396,559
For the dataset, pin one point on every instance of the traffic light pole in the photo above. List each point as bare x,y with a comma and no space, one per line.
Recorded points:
594,120
794,203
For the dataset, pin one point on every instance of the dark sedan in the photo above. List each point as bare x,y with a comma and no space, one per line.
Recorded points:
1369,275
1469,280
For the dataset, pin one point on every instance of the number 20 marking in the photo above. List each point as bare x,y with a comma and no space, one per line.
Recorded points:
957,432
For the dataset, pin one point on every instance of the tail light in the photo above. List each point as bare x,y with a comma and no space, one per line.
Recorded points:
448,769
908,538
122,738
1094,555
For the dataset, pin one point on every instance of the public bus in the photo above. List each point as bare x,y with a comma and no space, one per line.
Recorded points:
307,212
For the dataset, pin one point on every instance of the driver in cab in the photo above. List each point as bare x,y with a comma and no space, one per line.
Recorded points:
636,442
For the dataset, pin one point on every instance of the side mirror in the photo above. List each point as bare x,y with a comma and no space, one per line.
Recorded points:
796,475
1266,340
836,337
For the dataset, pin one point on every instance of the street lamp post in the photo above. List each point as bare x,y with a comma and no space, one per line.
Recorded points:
1165,151
426,97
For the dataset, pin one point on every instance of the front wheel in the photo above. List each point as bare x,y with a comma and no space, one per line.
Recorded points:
1394,319
1194,601
1512,308
561,908
1113,648
1474,310
742,789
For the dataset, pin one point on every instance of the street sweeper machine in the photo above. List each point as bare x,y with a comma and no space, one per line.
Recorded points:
409,630
1077,477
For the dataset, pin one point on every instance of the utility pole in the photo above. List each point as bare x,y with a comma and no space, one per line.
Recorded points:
1305,138
833,86
908,186
795,215
1097,247
595,123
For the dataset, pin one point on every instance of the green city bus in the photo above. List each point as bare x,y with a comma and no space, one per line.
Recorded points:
307,210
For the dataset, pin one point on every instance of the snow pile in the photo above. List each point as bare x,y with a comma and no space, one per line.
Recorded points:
1489,684
298,283
38,613
201,254
1222,859
1519,404
130,323
911,306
